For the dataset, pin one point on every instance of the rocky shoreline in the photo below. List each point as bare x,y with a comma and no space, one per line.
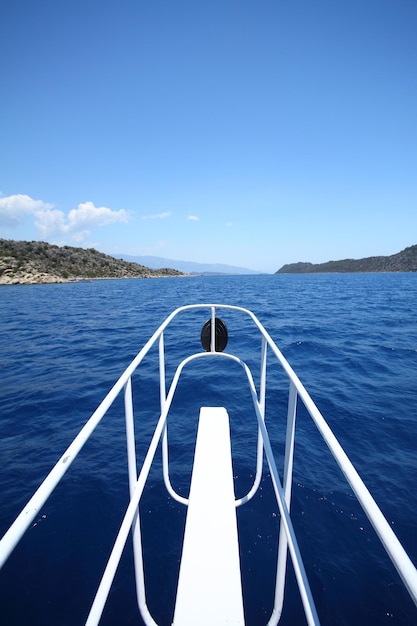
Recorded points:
37,262
42,279
30,279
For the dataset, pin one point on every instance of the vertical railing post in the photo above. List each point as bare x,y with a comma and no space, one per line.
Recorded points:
262,397
262,381
162,387
287,487
130,434
133,476
213,330
162,400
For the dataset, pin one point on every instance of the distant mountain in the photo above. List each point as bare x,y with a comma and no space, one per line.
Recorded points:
404,261
28,262
189,267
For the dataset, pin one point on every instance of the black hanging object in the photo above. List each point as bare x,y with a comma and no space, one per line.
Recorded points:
220,334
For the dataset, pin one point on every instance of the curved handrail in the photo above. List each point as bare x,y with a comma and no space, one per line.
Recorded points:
167,406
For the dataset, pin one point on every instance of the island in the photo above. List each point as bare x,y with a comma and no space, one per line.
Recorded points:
404,261
32,262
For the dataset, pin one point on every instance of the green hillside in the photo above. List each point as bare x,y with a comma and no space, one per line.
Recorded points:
23,262
404,261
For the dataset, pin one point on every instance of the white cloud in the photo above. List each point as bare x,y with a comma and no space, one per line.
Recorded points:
193,218
77,225
13,209
229,224
157,216
87,214
52,222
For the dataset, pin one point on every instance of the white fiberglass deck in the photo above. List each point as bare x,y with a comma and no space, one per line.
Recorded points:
209,585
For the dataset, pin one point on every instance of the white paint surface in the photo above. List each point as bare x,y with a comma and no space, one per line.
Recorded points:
209,587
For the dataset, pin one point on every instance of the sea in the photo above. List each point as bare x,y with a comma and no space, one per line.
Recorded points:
351,338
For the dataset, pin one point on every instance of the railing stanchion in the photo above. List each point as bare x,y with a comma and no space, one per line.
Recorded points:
162,400
287,488
162,386
213,330
165,451
260,445
262,383
136,534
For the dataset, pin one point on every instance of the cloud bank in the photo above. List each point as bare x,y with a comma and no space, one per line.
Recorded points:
53,223
13,209
79,222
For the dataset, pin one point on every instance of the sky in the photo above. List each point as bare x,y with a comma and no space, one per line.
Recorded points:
251,133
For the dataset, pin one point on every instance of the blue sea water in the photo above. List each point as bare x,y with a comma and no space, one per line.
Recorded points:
351,338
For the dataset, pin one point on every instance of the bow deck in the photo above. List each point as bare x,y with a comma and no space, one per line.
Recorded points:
209,588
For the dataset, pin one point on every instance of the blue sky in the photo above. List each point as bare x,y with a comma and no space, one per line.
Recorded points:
247,133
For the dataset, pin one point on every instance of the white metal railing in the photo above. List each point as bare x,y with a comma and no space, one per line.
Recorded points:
131,520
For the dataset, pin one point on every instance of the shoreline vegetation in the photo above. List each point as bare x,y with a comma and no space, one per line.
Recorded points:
35,262
404,261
